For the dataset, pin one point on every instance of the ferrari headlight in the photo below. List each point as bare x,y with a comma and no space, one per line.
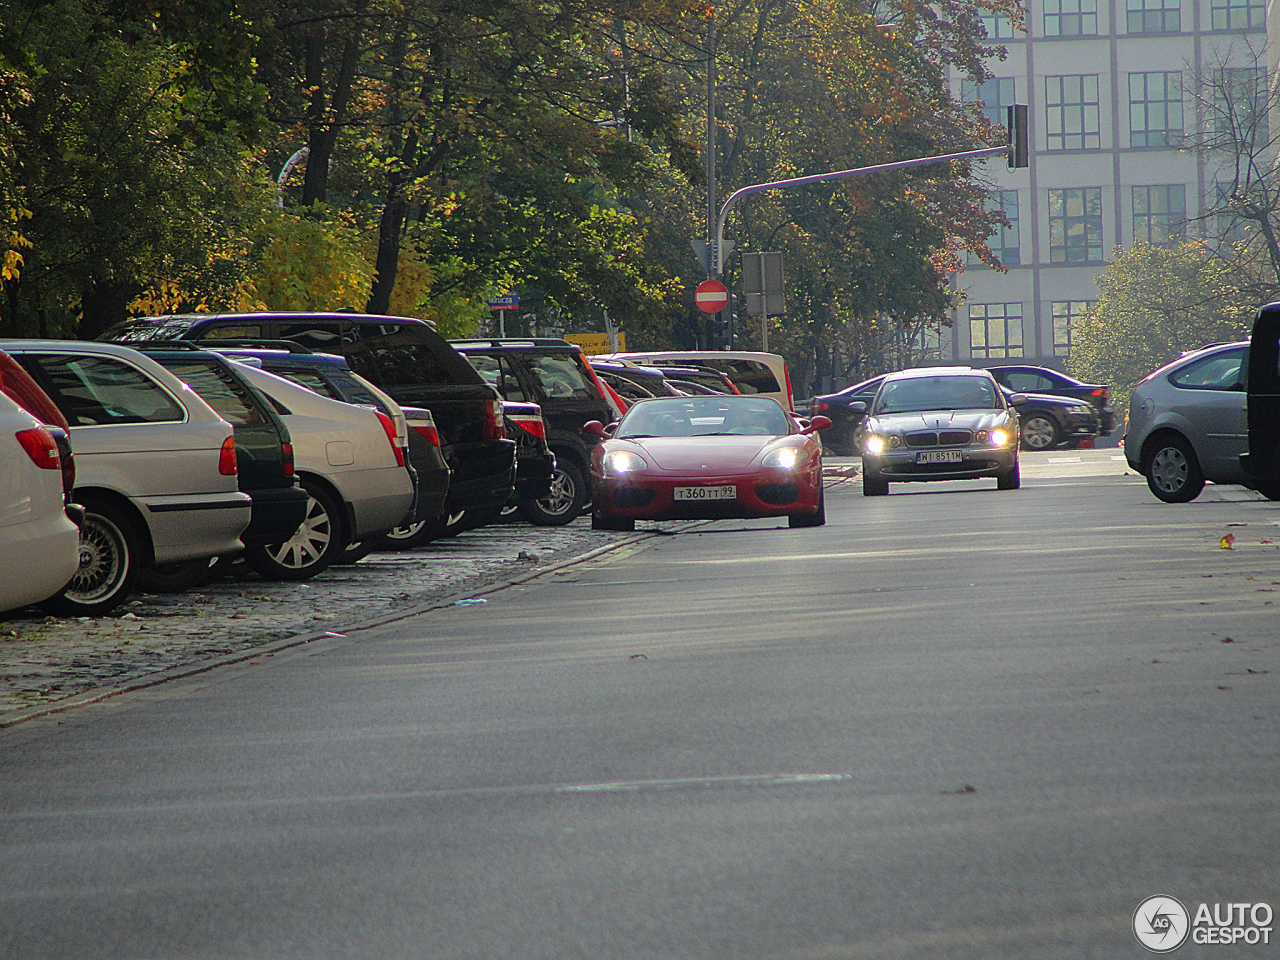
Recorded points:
618,463
784,458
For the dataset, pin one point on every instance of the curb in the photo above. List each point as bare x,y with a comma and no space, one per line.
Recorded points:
98,695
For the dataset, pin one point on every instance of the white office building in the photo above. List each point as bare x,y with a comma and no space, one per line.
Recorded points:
1110,86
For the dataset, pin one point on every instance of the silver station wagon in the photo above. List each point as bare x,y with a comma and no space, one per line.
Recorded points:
155,467
939,423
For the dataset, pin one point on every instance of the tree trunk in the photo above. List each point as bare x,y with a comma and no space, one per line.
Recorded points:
103,305
390,229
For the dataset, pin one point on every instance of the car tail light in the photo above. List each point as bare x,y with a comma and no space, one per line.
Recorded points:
389,426
428,432
227,458
533,425
493,429
1102,392
286,455
41,448
818,406
790,400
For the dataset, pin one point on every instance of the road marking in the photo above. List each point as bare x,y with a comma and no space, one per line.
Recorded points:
1066,459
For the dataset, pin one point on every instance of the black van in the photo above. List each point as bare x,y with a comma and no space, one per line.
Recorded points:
402,355
1262,391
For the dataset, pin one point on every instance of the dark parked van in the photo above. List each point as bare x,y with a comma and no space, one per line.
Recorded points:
403,356
1262,386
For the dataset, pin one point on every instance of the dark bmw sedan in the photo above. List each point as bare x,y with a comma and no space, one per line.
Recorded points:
939,423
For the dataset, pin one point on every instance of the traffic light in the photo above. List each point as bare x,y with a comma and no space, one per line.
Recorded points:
1016,125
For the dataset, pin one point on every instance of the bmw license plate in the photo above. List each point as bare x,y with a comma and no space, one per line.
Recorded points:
940,456
707,493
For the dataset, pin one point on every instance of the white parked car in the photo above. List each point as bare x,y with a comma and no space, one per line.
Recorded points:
351,460
39,545
155,467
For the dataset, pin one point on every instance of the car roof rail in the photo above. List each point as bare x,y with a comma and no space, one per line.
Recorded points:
289,346
513,342
163,346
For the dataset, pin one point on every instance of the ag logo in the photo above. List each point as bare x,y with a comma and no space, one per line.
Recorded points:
1161,924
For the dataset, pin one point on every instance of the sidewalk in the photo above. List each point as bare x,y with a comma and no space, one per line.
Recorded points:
50,663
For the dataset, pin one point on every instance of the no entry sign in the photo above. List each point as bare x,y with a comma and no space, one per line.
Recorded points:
711,296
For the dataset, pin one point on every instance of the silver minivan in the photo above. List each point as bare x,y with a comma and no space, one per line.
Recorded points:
155,467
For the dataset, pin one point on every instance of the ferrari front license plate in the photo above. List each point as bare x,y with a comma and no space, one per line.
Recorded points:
707,493
940,456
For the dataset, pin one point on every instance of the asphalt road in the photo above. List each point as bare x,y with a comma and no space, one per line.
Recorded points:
953,722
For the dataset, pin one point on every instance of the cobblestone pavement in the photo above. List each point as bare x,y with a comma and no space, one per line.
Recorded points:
47,663
45,659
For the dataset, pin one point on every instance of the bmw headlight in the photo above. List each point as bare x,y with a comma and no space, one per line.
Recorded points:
618,463
783,458
1082,409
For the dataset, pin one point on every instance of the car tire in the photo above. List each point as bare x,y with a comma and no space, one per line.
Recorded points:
565,501
353,553
313,546
601,522
815,519
1038,432
1011,480
874,487
176,577
1172,470
409,537
109,565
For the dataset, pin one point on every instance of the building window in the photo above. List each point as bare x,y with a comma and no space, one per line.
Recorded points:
1155,109
1075,225
1154,16
995,94
1240,105
995,330
1070,18
1004,243
1065,315
1237,14
1071,105
999,28
1160,214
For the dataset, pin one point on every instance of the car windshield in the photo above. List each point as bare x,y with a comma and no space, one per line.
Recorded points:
704,417
941,392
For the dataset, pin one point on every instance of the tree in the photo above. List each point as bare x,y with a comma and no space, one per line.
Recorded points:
817,87
1239,139
1156,303
128,156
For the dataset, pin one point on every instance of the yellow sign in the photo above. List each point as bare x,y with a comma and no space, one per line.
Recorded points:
595,343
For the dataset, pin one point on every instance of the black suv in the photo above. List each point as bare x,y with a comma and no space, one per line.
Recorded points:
403,356
555,375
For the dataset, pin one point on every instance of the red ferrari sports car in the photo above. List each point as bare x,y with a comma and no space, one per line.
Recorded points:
698,458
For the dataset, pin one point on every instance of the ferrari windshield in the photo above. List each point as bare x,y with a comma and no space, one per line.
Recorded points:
704,417
942,392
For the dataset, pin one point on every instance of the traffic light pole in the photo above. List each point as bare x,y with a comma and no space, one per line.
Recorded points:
836,175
